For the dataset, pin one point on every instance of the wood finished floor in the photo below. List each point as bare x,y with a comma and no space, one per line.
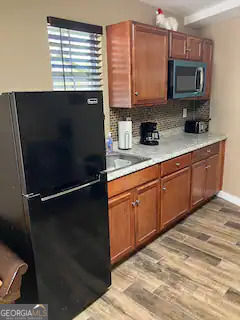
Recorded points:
190,272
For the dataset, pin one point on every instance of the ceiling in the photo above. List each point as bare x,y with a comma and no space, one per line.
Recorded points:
197,13
182,7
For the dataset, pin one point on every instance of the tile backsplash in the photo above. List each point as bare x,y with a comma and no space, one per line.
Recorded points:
167,116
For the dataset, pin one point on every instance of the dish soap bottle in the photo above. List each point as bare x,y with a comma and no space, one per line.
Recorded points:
109,143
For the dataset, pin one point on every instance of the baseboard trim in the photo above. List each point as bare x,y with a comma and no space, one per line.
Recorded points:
229,197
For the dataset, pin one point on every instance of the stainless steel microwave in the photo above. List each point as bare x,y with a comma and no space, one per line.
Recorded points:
186,79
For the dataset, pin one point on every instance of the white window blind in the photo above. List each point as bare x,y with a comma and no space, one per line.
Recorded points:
76,58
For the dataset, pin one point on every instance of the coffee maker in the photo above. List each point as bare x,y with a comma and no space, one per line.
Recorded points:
149,133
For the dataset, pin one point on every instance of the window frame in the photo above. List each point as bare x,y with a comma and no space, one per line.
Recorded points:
70,25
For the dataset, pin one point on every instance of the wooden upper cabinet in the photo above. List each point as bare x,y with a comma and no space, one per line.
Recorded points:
194,48
207,57
177,45
119,64
149,65
183,46
137,64
147,211
121,226
175,196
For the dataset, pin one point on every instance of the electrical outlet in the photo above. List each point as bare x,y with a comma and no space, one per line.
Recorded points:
184,113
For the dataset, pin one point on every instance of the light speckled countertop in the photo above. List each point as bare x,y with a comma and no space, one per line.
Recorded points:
171,145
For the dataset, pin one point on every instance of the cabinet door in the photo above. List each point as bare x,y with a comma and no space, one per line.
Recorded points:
147,211
149,65
177,45
198,183
121,225
207,56
212,176
175,196
194,48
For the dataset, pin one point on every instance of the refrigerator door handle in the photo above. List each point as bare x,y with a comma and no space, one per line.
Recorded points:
31,195
62,193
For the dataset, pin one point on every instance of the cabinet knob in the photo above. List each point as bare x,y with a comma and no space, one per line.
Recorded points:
207,167
209,150
136,93
134,204
137,202
164,188
178,164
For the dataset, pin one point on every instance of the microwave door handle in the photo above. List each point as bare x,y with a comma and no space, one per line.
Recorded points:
201,79
196,75
201,72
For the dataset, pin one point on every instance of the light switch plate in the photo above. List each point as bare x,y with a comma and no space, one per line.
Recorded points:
184,113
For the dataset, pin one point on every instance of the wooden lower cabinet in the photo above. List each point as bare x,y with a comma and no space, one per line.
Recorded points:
146,212
205,180
212,176
121,225
140,205
133,219
198,183
175,196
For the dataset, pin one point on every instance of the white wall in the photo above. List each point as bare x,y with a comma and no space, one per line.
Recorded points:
225,99
24,55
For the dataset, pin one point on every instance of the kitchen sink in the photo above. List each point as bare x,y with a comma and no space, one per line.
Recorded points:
116,161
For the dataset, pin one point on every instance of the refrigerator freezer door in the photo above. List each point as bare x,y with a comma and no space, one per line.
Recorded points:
71,248
62,139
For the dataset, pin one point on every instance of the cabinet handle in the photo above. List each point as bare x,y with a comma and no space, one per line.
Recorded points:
178,164
134,204
137,202
136,93
207,167
164,188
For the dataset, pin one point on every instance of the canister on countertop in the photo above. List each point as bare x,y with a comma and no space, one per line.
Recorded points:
125,134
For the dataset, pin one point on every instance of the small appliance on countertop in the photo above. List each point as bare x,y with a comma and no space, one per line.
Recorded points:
196,126
149,133
125,134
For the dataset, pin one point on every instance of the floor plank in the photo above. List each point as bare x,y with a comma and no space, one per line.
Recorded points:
233,225
155,304
233,296
192,233
192,272
191,251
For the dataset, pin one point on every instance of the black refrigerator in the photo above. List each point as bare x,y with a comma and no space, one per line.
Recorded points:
53,196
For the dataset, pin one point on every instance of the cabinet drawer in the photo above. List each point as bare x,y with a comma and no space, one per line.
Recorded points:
205,152
175,164
132,180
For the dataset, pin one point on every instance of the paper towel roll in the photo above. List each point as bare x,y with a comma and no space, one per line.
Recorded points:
125,135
